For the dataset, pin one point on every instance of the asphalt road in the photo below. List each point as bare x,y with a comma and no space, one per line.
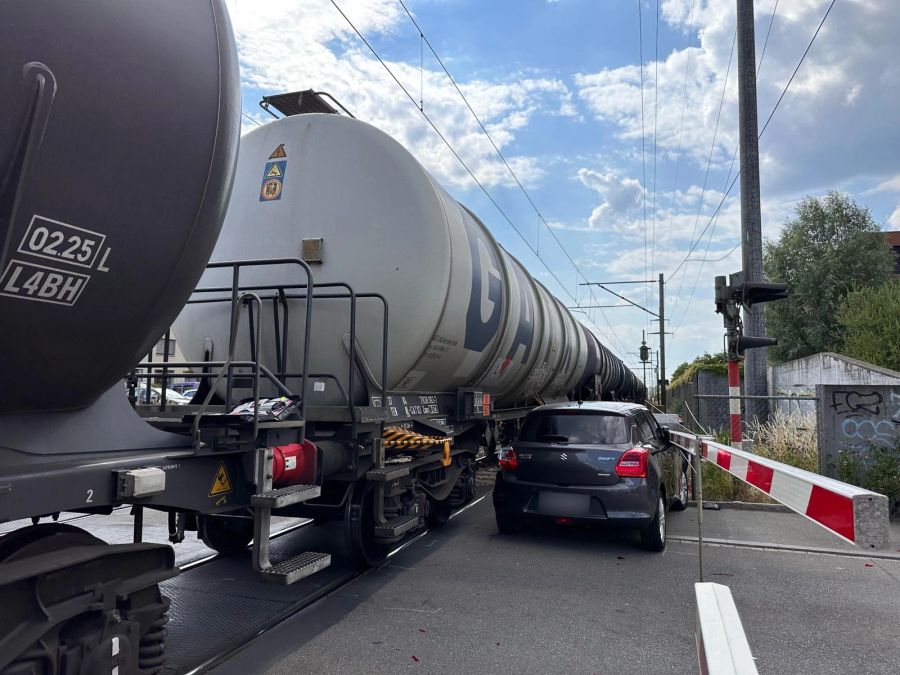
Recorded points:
561,600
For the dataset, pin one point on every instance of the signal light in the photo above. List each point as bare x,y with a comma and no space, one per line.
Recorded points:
633,463
750,342
755,292
507,459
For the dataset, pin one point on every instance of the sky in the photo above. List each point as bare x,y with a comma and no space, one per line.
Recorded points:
617,125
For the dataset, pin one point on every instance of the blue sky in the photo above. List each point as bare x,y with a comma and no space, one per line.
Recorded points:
558,86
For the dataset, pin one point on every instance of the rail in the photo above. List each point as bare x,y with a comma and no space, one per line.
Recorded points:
856,515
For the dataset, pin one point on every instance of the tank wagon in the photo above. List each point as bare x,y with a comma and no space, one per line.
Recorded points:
359,336
425,335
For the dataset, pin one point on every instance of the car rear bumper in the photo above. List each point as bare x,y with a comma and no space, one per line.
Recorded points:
629,503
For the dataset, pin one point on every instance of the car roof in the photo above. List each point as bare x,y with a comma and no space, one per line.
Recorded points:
615,407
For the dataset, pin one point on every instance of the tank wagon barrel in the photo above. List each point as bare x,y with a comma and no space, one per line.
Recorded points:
464,313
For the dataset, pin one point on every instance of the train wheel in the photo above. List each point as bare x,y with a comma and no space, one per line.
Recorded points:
40,539
228,535
359,523
120,629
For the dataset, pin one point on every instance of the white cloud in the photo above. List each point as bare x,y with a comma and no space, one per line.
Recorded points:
890,185
293,46
894,218
835,122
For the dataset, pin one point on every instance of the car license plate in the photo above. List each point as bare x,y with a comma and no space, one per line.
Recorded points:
564,504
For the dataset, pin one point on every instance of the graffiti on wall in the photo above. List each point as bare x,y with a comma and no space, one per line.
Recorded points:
857,419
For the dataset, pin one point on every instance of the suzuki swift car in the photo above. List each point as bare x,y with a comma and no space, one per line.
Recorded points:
600,462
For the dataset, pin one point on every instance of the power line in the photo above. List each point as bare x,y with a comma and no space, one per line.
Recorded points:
256,122
799,63
730,251
771,115
535,249
655,118
464,165
643,139
687,67
730,169
766,42
712,148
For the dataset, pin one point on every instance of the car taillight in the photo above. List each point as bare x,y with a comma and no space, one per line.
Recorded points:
507,459
633,463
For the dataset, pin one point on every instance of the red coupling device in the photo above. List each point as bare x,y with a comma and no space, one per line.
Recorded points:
294,464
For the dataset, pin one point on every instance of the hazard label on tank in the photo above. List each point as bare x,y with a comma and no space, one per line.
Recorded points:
278,152
221,483
272,185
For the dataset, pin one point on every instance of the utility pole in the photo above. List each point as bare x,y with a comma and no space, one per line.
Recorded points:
662,343
644,353
751,228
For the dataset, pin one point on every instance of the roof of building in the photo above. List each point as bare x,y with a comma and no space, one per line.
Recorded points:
892,237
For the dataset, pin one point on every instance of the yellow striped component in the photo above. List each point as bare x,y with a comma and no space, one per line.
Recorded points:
396,437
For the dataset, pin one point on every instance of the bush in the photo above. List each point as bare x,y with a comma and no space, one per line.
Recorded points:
789,438
877,469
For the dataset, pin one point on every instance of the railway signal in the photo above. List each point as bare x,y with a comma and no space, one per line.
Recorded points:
731,296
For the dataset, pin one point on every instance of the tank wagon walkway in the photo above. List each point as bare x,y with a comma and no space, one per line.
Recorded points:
558,600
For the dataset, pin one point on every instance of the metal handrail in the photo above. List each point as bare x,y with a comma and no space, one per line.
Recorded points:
245,299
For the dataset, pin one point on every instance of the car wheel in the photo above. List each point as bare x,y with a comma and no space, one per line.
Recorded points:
681,499
507,523
653,537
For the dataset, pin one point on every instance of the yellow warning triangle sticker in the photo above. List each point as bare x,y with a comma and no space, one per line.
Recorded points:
274,172
221,483
278,152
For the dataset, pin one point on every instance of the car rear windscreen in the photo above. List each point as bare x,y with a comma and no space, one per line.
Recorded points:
575,427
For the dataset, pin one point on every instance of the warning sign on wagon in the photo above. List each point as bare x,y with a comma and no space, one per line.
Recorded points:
221,483
272,181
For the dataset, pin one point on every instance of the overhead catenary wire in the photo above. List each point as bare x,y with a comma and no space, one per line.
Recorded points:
643,143
762,131
255,121
705,257
712,148
655,118
687,67
518,182
466,166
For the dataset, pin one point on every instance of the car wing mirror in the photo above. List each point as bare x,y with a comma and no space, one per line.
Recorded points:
662,434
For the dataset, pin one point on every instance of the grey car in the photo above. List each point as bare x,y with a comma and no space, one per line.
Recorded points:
601,462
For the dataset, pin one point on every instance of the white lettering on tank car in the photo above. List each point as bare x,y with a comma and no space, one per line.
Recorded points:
61,242
40,283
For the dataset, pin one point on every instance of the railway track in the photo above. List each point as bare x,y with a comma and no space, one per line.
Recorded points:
219,606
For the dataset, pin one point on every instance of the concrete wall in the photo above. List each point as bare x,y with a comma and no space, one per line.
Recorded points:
800,377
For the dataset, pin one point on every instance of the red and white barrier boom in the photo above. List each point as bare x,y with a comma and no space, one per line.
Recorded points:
856,515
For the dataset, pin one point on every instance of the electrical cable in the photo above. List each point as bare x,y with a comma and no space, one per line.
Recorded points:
535,250
771,115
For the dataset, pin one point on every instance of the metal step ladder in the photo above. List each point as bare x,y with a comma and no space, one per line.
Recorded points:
268,498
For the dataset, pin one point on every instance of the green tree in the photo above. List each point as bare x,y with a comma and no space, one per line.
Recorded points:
870,320
714,363
832,247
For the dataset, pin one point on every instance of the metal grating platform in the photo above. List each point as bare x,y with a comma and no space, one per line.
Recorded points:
293,569
280,497
397,526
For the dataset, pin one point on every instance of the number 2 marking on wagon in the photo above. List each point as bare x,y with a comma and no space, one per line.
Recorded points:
90,497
